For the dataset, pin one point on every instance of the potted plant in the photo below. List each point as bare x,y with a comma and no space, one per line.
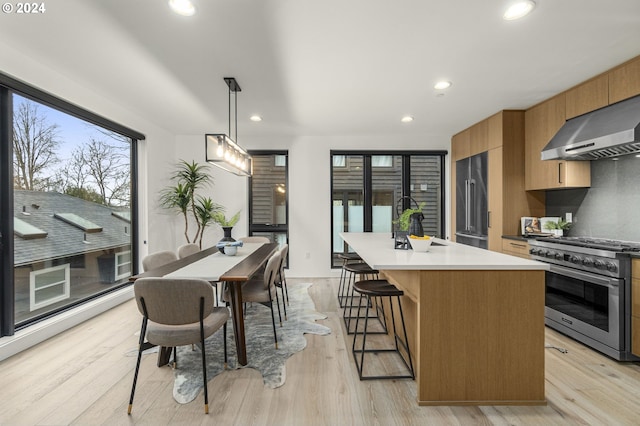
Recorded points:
182,198
558,228
408,222
404,221
226,224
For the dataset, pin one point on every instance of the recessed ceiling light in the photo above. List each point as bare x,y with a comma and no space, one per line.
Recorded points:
441,85
406,119
255,117
182,7
518,10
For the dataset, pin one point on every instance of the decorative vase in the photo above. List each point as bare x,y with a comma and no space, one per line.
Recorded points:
415,226
227,234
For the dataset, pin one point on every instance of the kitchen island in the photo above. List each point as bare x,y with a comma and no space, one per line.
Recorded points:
475,320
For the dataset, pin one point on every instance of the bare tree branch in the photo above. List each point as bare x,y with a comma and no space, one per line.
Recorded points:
34,147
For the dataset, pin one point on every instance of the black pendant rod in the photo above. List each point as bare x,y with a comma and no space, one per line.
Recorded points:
235,88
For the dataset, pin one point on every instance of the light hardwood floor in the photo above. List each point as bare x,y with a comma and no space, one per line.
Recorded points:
82,377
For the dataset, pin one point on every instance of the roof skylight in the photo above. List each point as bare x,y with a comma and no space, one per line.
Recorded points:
27,231
79,222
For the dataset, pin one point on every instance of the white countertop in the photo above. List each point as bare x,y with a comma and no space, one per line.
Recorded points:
377,250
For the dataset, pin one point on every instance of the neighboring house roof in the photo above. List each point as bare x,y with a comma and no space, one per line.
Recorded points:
64,238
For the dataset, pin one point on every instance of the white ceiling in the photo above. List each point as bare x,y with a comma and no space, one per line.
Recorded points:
331,67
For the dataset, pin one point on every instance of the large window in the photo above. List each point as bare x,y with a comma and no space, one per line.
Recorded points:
268,196
69,179
368,190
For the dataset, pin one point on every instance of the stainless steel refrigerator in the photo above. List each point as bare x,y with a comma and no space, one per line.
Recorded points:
471,201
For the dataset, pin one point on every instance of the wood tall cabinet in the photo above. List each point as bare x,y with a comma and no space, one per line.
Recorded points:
635,307
542,122
502,135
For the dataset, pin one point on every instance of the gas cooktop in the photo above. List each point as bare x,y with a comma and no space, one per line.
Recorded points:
597,243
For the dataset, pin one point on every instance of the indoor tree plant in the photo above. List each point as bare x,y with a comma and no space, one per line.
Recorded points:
182,199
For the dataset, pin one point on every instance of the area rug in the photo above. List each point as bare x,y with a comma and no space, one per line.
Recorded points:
261,352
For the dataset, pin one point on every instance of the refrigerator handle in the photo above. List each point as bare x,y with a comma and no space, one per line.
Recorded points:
471,204
467,207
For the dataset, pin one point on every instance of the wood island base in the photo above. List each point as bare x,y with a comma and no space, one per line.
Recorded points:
477,336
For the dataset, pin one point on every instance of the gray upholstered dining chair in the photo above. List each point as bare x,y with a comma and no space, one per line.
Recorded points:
155,260
177,312
261,289
255,239
187,250
281,281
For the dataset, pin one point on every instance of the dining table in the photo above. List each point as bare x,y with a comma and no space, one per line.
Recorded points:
214,266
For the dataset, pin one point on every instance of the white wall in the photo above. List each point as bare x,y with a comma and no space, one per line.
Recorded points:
309,189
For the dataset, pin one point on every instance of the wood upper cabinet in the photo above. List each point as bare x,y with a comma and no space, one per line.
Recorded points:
624,81
589,96
542,122
460,145
479,137
635,307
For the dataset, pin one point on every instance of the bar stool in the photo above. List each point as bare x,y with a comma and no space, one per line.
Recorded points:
363,272
379,289
347,258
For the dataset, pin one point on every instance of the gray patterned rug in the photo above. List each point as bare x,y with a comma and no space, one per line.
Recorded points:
261,352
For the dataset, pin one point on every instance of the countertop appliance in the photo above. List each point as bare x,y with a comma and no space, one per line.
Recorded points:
471,201
588,290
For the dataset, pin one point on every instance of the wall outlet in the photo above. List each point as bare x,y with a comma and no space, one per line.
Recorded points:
568,217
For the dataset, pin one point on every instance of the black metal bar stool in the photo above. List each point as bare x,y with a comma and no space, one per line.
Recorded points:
379,289
347,258
358,271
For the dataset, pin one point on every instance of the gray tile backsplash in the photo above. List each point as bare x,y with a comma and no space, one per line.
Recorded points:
610,208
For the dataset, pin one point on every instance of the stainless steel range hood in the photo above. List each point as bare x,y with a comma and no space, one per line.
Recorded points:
604,133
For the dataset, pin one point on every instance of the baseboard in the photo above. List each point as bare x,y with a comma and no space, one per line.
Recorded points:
32,335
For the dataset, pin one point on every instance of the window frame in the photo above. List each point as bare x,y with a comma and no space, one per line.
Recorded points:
8,86
33,275
367,184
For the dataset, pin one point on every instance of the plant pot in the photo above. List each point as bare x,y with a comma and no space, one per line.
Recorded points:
227,234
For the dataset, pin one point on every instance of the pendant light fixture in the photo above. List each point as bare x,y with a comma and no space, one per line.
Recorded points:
221,150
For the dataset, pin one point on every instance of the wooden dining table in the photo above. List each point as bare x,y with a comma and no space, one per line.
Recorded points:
213,266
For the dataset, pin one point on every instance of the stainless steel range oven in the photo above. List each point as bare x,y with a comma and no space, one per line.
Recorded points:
587,291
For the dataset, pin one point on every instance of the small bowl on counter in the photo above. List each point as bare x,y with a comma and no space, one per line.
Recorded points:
420,244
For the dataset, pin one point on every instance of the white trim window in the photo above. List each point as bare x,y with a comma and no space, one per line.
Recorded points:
49,285
123,265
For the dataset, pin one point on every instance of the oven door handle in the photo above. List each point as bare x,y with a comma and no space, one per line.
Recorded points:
585,276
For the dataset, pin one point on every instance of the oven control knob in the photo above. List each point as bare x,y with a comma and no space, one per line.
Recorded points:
542,252
550,254
533,251
599,264
587,261
576,259
558,256
612,267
